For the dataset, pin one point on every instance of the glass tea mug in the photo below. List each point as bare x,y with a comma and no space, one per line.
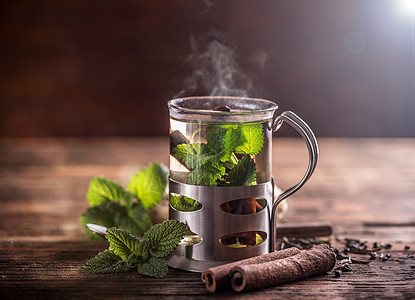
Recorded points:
221,182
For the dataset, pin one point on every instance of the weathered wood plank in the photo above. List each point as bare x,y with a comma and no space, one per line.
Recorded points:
42,192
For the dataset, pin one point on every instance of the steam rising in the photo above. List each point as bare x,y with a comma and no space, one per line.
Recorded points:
209,4
214,69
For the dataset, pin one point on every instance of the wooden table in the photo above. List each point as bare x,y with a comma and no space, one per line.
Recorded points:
358,185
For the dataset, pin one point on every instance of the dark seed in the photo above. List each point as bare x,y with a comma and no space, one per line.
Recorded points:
376,245
407,247
388,255
388,246
346,250
385,258
222,108
352,244
337,273
346,268
373,255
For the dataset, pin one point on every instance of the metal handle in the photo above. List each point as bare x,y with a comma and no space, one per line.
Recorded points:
304,130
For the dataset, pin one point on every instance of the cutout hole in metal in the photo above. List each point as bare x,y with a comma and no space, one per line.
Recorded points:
243,239
244,206
191,239
183,203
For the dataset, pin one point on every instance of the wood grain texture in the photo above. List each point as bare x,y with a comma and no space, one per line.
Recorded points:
43,184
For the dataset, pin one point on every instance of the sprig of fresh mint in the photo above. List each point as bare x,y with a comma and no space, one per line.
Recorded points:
148,254
114,206
226,159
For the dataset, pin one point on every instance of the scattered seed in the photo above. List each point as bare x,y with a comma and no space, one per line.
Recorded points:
373,255
388,255
385,258
388,246
337,273
346,268
407,247
363,245
352,244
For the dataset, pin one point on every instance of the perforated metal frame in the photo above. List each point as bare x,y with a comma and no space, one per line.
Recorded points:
212,223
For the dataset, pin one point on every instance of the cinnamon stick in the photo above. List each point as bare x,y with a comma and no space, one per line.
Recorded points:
241,206
177,138
318,260
219,278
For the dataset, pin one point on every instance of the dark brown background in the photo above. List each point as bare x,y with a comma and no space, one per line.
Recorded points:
103,68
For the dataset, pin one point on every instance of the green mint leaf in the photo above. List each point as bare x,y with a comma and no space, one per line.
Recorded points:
112,214
138,221
102,189
183,203
106,262
165,237
252,139
214,136
184,150
155,266
222,140
122,243
133,259
144,249
149,184
206,175
128,198
127,223
193,155
103,214
230,142
244,172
